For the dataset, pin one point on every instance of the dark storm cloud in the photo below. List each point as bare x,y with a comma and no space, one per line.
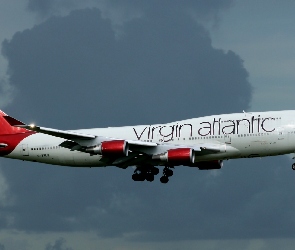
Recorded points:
242,201
72,72
161,69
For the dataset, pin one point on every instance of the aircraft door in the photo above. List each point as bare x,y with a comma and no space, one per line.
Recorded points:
283,138
227,138
25,150
281,134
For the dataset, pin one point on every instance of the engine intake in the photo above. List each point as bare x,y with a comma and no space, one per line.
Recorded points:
116,148
179,156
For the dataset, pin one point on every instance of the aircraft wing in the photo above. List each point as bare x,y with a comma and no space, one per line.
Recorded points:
68,135
81,138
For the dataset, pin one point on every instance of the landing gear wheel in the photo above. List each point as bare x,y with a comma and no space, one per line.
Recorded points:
155,171
135,177
149,177
164,179
138,177
293,166
168,172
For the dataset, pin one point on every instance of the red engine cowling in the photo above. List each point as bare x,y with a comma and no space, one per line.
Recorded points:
116,148
179,156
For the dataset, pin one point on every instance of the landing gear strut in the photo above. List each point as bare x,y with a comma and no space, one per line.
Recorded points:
167,172
142,173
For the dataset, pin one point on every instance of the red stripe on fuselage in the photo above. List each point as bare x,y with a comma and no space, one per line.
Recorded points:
12,140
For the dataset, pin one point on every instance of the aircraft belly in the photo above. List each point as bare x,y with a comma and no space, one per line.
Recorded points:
33,156
229,153
85,159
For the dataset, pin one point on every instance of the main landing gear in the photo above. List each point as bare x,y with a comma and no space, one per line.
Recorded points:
293,166
167,172
148,172
142,173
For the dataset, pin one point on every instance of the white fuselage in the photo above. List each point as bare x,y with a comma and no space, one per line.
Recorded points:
240,135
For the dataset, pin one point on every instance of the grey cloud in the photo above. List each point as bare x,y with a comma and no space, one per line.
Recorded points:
162,63
58,245
7,92
72,72
241,202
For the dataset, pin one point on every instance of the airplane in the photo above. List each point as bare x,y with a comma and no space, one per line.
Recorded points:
203,143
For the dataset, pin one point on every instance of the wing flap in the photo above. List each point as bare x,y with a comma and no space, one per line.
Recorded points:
142,143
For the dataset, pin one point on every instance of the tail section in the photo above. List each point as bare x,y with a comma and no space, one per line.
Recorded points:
10,136
7,124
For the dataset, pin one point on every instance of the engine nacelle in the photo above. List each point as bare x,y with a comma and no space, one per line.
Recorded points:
116,148
179,156
208,165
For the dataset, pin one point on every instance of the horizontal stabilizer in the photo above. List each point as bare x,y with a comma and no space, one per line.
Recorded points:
12,121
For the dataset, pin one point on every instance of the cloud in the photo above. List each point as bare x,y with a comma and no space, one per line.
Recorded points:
6,198
58,245
240,203
158,67
7,92
73,72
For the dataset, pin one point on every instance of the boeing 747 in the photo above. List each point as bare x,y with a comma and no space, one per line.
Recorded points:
203,143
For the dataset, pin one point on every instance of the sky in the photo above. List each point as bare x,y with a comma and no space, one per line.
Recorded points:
261,32
96,63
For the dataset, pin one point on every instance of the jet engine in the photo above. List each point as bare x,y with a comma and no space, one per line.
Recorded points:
116,148
179,156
